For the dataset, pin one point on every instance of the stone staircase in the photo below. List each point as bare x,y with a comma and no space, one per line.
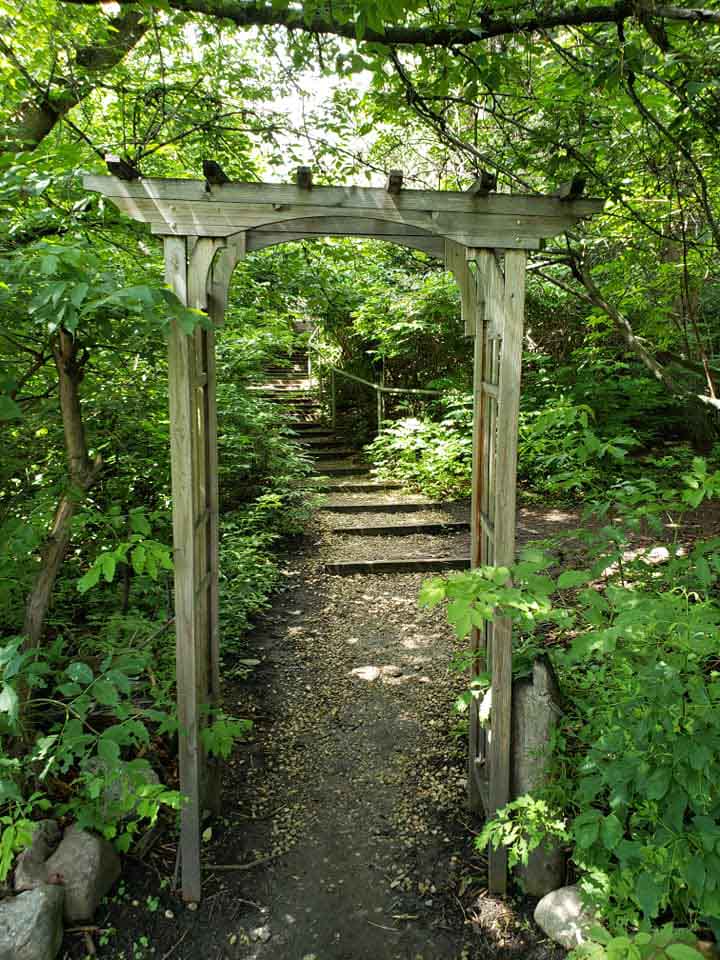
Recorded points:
370,508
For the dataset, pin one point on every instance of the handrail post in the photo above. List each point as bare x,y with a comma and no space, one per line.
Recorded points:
381,395
333,408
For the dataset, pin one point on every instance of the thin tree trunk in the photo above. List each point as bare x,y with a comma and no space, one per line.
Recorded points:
70,362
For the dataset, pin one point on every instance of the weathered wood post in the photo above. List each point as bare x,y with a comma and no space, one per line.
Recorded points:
493,308
333,400
193,443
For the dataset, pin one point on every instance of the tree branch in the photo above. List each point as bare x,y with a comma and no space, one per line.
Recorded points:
247,14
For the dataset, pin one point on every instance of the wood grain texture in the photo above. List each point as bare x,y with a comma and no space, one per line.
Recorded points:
504,523
185,207
365,198
474,316
181,450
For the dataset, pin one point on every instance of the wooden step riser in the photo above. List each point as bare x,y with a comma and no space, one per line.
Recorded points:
347,568
403,529
359,487
378,507
322,443
331,454
342,471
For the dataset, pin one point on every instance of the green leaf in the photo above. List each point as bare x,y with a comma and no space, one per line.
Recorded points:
80,672
432,592
9,410
108,750
109,564
658,783
90,579
138,557
105,692
680,951
586,828
573,578
611,832
695,876
648,892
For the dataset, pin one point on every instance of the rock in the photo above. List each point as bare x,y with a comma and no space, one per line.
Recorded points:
708,949
562,916
535,712
31,924
391,670
119,784
366,673
87,866
30,869
261,934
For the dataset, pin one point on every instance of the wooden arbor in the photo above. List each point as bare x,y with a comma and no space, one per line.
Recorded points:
208,226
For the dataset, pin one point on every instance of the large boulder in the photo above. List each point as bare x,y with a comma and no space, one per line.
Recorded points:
30,870
536,709
564,918
87,866
31,924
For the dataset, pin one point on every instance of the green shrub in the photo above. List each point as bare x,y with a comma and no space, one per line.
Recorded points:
633,782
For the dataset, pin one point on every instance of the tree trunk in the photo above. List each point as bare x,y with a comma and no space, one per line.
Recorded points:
70,362
37,116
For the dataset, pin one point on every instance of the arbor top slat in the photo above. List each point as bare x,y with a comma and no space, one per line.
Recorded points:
358,198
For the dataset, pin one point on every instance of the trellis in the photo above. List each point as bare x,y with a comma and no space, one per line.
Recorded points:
208,226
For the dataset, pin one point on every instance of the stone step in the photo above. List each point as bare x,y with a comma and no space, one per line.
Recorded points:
405,529
386,507
346,568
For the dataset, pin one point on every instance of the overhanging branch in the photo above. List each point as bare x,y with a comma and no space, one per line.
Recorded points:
245,14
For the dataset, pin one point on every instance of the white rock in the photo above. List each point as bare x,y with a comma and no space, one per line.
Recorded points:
390,670
366,673
261,934
87,866
562,916
31,926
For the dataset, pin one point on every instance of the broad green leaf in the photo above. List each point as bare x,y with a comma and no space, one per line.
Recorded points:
573,578
80,672
586,828
680,951
648,892
611,831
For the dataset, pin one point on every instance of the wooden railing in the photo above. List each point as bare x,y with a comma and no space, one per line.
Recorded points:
379,388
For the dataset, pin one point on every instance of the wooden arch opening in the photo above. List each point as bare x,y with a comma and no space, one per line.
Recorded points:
483,238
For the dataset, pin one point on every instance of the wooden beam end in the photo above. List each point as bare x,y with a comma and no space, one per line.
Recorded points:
394,181
121,168
571,189
484,184
214,174
303,178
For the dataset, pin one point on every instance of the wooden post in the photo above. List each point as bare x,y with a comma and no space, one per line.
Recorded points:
504,514
193,434
333,404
